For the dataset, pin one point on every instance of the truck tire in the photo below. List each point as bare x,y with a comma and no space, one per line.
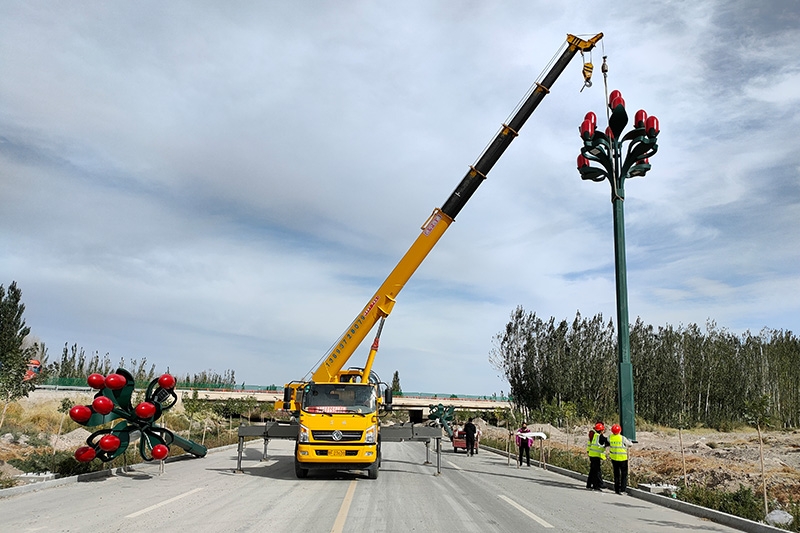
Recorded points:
299,471
372,471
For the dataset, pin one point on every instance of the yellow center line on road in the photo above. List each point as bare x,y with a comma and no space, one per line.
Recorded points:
161,504
341,518
525,511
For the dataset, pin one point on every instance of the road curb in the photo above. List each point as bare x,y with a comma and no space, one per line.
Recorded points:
719,517
42,485
94,476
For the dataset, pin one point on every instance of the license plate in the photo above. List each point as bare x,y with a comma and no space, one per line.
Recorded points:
336,453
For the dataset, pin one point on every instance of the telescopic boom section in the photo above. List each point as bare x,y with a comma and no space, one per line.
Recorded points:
382,302
478,173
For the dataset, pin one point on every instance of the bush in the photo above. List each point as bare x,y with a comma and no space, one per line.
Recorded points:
742,503
794,509
571,461
644,425
7,482
724,425
63,463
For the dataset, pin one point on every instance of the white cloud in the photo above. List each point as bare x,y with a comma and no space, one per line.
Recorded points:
225,188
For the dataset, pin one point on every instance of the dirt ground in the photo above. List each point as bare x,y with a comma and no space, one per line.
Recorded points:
713,458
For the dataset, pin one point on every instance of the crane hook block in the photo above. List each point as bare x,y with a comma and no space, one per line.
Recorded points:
587,74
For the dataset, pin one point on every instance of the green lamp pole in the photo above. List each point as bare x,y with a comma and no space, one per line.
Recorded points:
606,151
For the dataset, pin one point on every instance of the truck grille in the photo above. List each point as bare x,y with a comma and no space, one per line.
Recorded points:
331,436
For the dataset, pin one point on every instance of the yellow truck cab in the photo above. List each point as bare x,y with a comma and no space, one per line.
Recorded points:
339,428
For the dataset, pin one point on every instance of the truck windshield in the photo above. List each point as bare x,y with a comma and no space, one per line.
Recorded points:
339,398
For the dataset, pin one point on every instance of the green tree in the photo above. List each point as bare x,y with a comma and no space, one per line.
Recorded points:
66,405
195,408
396,389
14,356
550,364
657,373
139,371
510,356
208,379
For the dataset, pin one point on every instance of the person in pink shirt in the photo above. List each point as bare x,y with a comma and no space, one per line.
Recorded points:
524,440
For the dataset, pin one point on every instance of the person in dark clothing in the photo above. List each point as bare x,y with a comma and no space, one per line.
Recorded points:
469,431
597,453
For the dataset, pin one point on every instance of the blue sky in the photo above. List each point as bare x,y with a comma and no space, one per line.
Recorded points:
224,186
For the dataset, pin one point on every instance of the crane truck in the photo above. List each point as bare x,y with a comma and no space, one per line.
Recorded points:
337,409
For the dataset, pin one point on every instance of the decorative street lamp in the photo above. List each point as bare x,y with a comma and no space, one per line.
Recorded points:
606,151
113,402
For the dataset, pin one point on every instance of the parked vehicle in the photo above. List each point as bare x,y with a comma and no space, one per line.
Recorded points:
460,441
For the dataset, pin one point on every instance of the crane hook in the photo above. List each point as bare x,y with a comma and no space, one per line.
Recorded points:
587,72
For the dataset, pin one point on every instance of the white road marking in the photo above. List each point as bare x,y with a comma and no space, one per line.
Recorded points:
525,511
454,466
341,518
265,464
161,504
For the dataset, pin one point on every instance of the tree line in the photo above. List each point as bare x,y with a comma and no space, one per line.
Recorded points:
15,352
75,364
684,376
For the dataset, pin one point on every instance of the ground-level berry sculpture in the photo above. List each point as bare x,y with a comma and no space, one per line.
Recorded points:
113,402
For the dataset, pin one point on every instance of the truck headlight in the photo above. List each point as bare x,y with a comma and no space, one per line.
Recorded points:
369,435
302,435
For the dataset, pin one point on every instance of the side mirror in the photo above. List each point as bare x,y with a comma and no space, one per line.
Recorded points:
387,399
287,399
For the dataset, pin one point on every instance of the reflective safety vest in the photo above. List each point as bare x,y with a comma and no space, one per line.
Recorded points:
595,449
617,451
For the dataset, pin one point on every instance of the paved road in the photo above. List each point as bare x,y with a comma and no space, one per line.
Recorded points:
473,494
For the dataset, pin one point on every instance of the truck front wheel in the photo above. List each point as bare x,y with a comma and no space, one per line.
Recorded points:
299,471
372,471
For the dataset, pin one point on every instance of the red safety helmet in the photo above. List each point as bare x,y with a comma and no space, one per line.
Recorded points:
599,427
615,429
